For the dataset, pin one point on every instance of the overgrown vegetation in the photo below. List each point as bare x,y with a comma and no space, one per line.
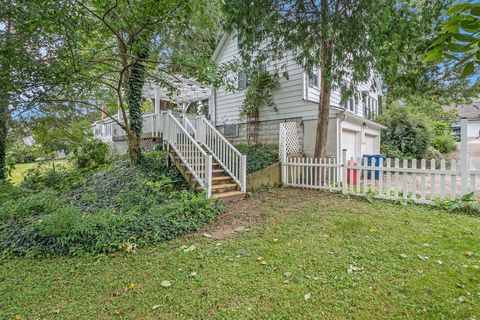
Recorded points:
259,156
113,206
324,256
417,129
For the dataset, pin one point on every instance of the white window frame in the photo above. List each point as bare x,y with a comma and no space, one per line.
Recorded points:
311,80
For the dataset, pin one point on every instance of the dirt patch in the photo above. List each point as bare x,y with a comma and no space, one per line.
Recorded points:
238,217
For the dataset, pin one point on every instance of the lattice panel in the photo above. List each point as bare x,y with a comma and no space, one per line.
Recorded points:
289,143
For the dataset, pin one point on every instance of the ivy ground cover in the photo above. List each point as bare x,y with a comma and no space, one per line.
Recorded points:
284,254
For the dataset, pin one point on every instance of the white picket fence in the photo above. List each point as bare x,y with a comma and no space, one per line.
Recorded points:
420,181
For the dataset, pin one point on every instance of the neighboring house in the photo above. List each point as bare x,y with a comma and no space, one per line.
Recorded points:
296,100
472,113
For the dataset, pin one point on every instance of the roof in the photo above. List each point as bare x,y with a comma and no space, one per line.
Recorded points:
182,90
469,111
352,116
220,45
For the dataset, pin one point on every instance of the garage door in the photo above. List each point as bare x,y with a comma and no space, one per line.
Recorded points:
349,142
371,144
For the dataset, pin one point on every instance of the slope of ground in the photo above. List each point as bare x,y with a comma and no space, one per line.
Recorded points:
282,254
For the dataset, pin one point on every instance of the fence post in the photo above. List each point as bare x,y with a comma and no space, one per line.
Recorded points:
464,156
243,170
208,176
344,171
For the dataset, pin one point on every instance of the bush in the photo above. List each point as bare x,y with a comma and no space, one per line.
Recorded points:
445,144
259,156
407,136
60,177
119,207
90,154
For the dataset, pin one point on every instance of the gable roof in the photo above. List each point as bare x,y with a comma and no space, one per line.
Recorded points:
220,45
469,111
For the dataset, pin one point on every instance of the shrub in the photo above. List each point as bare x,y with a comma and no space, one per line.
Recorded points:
36,204
56,177
90,154
118,207
445,144
406,136
259,156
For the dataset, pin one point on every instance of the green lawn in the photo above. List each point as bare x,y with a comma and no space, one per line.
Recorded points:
325,257
21,168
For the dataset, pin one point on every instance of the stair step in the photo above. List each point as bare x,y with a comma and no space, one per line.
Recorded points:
229,196
217,188
221,178
224,186
213,171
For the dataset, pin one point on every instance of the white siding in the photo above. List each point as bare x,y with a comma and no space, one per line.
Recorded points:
293,99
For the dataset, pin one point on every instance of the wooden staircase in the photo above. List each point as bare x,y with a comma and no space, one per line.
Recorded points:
224,186
205,158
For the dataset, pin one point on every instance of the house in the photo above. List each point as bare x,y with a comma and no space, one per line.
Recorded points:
351,125
472,113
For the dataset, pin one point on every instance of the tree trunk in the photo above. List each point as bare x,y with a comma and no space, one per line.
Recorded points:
135,82
3,134
4,114
324,105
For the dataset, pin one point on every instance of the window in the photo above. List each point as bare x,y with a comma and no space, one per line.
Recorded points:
242,80
350,105
313,77
230,130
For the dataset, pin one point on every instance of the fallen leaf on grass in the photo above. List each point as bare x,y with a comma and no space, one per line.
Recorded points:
307,296
469,254
423,258
131,286
403,256
166,284
263,262
193,274
155,307
56,311
190,248
207,235
461,299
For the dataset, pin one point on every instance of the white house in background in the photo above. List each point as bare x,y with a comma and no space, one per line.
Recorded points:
296,100
472,113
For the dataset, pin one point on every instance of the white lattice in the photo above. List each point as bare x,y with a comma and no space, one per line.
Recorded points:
289,143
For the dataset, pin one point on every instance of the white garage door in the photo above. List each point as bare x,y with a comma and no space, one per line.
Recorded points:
371,144
349,142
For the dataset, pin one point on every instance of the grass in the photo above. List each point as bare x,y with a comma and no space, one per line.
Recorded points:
21,168
356,260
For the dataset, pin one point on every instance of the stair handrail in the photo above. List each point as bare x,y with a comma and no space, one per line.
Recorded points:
229,158
192,155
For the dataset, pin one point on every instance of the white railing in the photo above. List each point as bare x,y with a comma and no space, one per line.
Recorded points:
192,155
229,158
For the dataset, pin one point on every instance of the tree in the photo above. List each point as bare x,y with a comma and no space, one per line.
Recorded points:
101,53
339,36
458,43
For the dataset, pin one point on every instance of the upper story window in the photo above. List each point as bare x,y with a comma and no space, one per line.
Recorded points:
313,77
244,77
242,80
